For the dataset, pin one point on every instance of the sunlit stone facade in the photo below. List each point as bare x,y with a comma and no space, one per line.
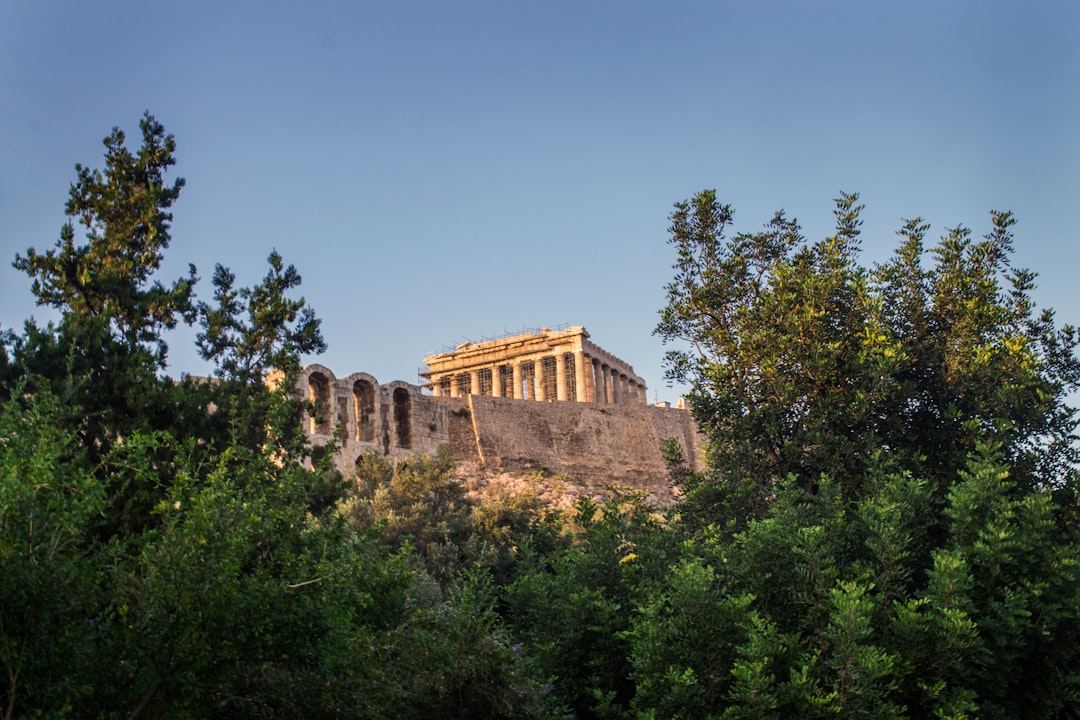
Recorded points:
547,365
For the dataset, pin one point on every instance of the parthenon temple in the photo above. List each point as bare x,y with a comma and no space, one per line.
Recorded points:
546,365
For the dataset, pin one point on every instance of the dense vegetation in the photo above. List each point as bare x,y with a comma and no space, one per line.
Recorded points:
887,528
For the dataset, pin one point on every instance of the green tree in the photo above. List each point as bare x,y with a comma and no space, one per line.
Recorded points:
252,331
256,338
573,607
418,502
422,502
800,360
886,444
107,351
48,592
165,551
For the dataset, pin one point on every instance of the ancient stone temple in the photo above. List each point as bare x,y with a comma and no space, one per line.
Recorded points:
546,365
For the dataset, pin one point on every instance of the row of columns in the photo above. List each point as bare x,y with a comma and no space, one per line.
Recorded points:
593,381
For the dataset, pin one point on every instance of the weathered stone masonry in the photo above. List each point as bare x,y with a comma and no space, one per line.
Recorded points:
395,419
547,365
602,432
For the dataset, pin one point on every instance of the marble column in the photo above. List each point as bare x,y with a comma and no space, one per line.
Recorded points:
579,377
562,392
538,379
517,380
594,381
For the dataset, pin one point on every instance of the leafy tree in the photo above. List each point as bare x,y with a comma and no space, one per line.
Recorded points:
573,609
125,215
685,642
48,591
238,600
880,605
276,332
108,347
886,444
421,502
800,360
418,502
256,337
166,552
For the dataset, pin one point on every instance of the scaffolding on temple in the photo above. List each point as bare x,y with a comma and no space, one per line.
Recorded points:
545,364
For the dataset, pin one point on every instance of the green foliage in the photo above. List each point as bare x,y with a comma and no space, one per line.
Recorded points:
107,349
125,214
456,660
417,501
255,337
891,484
166,551
874,605
803,361
1021,565
572,609
276,332
685,643
47,593
420,502
887,527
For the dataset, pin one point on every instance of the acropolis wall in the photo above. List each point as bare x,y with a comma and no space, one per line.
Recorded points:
552,402
395,419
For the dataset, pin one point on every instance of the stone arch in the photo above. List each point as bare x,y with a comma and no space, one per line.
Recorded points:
365,394
402,400
318,393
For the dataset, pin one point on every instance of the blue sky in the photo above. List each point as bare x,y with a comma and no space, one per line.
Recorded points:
449,171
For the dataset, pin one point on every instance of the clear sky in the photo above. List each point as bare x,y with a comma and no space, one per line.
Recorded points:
455,170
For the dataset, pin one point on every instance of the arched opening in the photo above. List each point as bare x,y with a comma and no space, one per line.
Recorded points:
319,395
402,418
364,409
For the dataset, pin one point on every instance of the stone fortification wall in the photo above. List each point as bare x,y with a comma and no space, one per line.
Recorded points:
591,445
588,443
394,419
462,435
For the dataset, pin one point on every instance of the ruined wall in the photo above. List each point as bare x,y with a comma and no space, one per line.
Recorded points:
395,419
583,442
590,443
